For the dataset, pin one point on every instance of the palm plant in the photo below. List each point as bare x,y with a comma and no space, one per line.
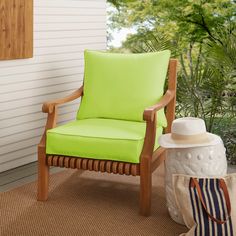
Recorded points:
148,41
222,57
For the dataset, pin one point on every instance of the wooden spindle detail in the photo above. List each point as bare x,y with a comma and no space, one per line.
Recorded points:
121,168
96,165
115,167
55,161
108,166
61,161
127,168
49,160
79,163
102,166
134,169
73,163
85,164
90,164
67,162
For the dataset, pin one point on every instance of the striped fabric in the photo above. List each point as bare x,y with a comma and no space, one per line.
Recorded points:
215,202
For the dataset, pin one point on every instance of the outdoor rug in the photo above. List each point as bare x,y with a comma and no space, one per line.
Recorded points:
86,203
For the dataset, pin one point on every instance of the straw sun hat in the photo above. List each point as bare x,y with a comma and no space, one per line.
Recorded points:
188,132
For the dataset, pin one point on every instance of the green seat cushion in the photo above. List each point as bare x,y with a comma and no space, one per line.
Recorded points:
121,86
108,139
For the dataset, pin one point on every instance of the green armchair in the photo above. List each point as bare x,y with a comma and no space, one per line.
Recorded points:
118,123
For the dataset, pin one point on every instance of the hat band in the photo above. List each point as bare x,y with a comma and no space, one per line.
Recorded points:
197,138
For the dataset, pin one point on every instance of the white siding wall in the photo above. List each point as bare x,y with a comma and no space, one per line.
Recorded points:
62,30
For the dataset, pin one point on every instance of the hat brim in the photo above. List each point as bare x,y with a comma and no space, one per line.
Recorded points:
166,141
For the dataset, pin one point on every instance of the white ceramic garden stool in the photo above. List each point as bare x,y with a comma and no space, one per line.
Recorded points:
190,150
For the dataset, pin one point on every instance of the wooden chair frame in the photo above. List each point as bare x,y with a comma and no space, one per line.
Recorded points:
150,159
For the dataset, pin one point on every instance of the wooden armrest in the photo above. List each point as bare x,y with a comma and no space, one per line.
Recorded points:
51,109
48,107
149,113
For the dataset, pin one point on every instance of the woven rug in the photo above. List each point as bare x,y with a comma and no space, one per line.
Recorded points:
86,203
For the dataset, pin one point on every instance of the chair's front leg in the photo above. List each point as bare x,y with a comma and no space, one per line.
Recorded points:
43,175
146,168
43,168
145,186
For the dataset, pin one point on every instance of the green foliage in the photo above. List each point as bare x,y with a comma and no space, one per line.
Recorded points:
148,41
202,34
185,20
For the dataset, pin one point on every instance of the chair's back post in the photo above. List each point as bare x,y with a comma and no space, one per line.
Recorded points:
172,83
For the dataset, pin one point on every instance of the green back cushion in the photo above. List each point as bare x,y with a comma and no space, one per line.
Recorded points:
121,86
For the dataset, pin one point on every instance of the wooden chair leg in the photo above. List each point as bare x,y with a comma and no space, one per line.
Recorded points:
145,186
43,175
